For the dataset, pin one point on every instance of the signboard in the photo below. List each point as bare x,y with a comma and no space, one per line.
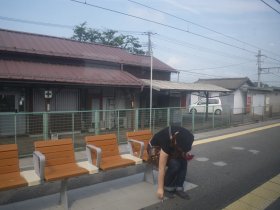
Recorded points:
48,94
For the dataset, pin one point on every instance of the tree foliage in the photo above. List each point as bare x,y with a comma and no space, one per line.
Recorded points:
108,37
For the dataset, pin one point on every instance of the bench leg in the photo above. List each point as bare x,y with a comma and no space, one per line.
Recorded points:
149,175
63,200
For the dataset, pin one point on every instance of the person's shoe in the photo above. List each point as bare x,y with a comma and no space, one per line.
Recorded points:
182,194
169,194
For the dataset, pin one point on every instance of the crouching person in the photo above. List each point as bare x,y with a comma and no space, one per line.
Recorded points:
173,143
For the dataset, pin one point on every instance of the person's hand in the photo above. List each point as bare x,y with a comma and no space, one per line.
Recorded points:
189,156
160,193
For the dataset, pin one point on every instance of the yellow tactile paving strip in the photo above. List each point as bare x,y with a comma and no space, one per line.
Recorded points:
240,133
260,198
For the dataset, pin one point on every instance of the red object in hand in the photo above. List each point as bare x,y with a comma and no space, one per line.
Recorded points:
189,156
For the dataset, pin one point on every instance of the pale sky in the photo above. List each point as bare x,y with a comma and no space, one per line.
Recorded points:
200,52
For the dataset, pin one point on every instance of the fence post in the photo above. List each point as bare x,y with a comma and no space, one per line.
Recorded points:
242,115
168,117
229,118
97,122
118,123
15,127
136,119
213,118
193,118
45,125
153,119
73,127
181,116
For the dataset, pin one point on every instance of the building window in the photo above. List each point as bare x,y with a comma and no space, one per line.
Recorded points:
7,103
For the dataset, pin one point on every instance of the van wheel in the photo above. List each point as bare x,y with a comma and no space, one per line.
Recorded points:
218,112
193,110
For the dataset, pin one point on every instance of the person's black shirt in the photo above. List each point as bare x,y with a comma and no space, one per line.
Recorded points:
184,139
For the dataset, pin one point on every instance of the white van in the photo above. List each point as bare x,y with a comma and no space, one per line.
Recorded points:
214,105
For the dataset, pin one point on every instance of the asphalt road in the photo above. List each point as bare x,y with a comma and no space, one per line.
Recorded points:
227,170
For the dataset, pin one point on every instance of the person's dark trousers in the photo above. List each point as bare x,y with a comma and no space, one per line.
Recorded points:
175,175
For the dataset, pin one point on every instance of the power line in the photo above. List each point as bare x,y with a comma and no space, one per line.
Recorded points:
61,25
197,47
271,6
275,74
202,74
217,67
201,26
210,68
35,22
165,25
191,72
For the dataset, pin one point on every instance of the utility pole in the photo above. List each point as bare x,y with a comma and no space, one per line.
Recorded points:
150,51
259,67
263,70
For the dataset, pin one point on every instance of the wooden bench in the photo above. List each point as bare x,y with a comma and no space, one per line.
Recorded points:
138,141
103,151
10,176
55,160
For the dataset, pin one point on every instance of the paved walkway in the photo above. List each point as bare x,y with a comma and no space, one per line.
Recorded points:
126,193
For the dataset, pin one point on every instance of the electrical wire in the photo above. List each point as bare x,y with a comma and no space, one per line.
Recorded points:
172,50
218,67
61,25
200,26
203,49
270,6
165,25
36,22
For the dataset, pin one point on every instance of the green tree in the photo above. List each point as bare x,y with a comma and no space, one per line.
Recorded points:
108,37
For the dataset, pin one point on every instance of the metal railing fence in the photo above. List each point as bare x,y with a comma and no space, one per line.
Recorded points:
25,128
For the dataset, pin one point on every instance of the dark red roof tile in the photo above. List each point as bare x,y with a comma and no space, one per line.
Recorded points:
54,46
19,70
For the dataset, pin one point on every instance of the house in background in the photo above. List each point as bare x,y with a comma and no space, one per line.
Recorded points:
263,100
43,73
245,97
236,99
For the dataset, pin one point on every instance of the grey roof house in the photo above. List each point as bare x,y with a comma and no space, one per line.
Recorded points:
237,98
228,83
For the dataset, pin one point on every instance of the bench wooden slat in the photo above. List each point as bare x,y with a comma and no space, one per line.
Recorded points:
107,142
57,152
59,172
9,154
60,159
102,137
51,143
115,162
103,143
9,162
55,148
8,147
142,135
110,151
11,181
67,153
9,168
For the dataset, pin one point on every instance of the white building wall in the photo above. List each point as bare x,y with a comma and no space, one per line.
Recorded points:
239,102
275,101
258,103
